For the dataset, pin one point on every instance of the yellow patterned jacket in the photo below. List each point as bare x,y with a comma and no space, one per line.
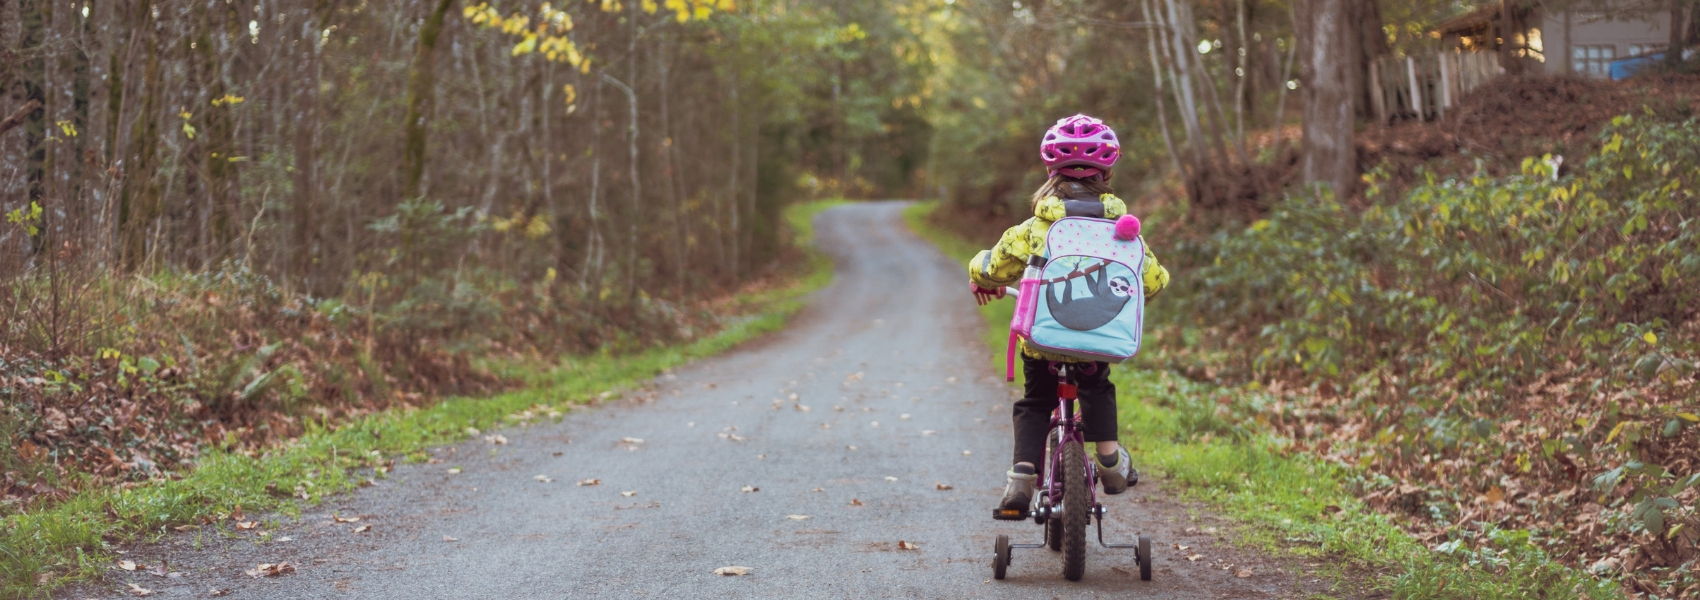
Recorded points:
1003,264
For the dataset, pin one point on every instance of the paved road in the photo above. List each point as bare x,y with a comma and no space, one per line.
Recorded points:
850,423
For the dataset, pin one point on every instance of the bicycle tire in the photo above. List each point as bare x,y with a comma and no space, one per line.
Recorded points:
1075,510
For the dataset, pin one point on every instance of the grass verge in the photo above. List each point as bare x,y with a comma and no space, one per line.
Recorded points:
1196,435
42,550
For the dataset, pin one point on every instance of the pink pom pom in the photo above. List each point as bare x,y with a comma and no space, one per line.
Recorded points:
1127,227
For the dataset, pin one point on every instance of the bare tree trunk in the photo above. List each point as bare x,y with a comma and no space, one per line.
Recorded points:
591,282
306,110
1326,37
1181,167
1673,54
138,202
1242,71
421,89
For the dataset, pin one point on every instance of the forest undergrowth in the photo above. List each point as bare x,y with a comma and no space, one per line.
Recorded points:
114,380
70,536
1512,358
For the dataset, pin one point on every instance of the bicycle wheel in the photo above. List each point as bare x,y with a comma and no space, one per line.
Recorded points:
1075,510
1145,558
1000,557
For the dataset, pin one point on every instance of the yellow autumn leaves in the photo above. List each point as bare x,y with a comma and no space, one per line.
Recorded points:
549,33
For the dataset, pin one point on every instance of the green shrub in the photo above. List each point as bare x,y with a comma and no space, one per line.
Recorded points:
1522,347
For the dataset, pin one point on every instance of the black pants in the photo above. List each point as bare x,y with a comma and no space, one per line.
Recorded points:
1033,411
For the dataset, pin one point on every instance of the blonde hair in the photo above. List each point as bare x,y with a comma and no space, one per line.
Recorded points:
1066,187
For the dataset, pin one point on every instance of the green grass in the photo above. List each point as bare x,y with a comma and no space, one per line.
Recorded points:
44,549
1203,438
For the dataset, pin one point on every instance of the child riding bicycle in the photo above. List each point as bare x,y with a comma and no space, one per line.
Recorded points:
1078,153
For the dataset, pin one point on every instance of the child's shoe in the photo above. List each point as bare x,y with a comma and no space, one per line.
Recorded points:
1117,473
1018,495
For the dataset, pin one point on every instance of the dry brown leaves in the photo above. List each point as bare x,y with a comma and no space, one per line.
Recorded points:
270,570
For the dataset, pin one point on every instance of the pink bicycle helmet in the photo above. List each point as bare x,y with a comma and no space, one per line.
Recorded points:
1080,147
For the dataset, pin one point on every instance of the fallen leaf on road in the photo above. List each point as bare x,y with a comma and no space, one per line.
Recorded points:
136,590
749,488
216,592
344,519
1182,547
732,571
629,493
589,482
161,571
543,478
943,487
801,407
967,452
631,440
950,380
928,432
270,570
450,538
902,545
1242,573
793,396
496,439
826,426
890,478
855,502
796,517
246,525
454,470
128,565
837,408
851,447
903,417
362,529
1194,557
873,423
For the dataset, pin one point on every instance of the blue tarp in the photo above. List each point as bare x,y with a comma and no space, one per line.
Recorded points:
1623,68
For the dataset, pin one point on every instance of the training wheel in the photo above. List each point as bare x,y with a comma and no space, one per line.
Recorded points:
1145,558
1000,557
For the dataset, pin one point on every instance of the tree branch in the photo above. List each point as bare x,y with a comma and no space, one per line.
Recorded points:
19,115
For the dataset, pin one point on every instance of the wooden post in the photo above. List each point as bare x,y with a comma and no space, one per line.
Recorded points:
1445,82
1416,92
1378,94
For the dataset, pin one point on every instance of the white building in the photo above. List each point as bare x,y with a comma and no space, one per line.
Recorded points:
1574,36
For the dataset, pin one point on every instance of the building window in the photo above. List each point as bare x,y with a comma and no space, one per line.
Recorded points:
1594,60
1639,49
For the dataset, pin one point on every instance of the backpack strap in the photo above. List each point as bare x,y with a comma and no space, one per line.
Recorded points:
1084,208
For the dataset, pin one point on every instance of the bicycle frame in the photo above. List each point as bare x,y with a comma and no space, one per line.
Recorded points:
1067,422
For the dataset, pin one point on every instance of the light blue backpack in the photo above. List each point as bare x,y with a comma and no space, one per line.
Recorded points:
1084,297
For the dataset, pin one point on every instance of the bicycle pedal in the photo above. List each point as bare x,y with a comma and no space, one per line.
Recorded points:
1009,514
